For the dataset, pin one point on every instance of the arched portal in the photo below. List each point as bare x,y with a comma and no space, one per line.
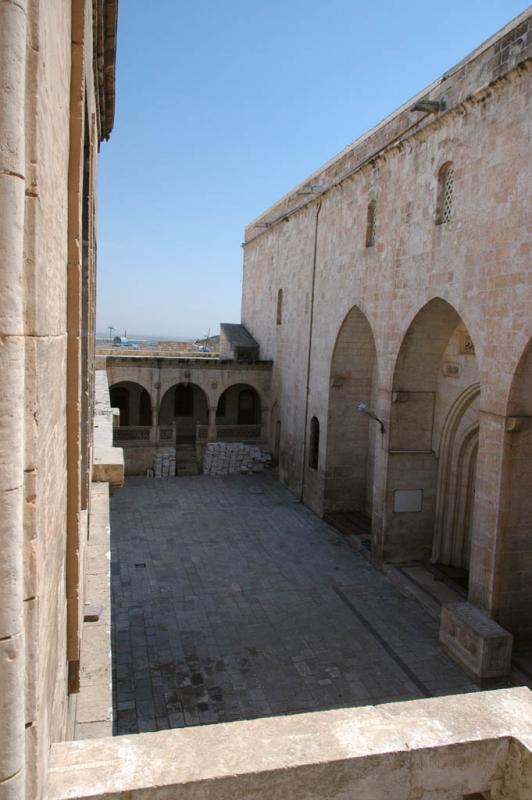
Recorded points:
351,434
134,403
239,405
455,490
433,442
186,405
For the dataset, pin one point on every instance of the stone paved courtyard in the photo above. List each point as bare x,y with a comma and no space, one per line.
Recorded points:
231,600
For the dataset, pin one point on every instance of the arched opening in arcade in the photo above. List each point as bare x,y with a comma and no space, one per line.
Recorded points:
186,406
133,402
239,405
433,444
351,434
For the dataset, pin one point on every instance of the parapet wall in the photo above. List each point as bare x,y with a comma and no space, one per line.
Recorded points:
439,749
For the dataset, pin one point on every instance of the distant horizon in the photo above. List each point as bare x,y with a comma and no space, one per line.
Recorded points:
153,336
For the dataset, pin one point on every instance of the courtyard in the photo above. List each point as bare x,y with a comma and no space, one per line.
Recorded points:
232,600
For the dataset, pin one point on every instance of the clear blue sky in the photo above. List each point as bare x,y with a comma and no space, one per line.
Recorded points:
221,108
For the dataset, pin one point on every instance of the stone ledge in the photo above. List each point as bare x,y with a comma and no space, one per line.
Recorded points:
474,640
443,747
94,712
108,461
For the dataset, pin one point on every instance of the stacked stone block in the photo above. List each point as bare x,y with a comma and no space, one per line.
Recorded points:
227,458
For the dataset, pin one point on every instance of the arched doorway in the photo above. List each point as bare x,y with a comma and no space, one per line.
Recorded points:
133,402
433,443
239,405
186,405
455,492
351,435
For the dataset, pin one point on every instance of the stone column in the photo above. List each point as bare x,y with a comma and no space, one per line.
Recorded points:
500,578
154,425
211,434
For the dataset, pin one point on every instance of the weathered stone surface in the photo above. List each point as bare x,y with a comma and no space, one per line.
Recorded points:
476,642
443,748
427,325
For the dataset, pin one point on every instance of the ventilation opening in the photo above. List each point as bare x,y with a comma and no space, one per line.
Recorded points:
371,224
445,194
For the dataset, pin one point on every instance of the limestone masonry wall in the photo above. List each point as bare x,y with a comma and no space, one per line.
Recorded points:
446,306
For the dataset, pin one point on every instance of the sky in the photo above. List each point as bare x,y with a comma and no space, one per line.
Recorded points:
222,106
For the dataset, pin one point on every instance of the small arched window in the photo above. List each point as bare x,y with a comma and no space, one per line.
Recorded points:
280,307
371,223
444,208
314,447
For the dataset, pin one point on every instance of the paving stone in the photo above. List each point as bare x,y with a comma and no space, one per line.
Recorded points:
245,609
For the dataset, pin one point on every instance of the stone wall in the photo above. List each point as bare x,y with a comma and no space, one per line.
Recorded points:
447,307
51,124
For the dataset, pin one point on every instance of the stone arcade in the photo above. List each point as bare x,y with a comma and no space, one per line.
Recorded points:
396,281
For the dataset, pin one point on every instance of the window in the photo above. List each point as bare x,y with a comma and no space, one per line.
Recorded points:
280,307
444,206
371,223
184,401
314,443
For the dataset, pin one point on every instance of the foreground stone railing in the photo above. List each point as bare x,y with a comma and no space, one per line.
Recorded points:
446,748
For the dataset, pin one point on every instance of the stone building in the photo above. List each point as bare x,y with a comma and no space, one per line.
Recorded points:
57,62
57,462
184,402
392,291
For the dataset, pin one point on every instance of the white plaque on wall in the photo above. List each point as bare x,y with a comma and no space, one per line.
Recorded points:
407,500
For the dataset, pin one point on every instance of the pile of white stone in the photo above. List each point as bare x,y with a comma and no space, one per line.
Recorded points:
163,464
228,458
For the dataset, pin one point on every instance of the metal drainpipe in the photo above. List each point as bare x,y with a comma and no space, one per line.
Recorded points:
309,355
13,24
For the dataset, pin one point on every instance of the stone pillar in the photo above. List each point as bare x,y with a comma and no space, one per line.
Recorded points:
501,551
154,432
211,434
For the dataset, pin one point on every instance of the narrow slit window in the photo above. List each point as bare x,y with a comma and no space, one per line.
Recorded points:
444,208
280,307
314,448
371,223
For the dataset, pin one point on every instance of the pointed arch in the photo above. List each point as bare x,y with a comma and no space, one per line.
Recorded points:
456,481
351,435
434,407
